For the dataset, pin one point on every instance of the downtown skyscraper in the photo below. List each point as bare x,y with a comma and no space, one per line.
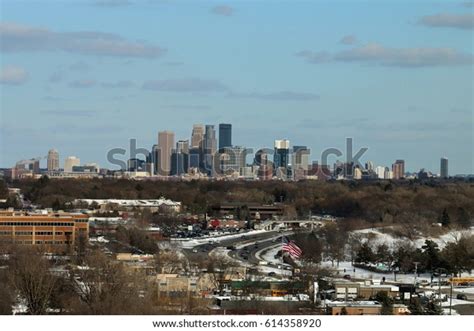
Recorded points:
165,149
225,136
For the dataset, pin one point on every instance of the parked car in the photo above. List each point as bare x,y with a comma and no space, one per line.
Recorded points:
348,277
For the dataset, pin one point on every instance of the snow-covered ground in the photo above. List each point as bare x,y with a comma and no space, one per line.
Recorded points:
384,238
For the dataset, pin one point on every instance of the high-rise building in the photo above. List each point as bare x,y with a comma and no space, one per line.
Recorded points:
71,161
300,159
232,159
154,159
35,166
265,167
281,159
398,169
165,148
179,158
209,148
380,172
182,146
53,160
225,135
388,174
197,136
444,168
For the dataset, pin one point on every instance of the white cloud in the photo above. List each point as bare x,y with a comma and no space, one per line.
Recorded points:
13,75
223,10
279,96
119,84
464,21
83,83
23,38
184,85
386,56
112,3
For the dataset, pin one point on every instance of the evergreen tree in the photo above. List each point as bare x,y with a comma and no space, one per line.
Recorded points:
445,221
431,255
365,254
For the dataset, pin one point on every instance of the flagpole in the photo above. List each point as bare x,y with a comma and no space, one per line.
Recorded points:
281,256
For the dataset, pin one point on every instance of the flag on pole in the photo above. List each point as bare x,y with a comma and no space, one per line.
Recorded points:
290,247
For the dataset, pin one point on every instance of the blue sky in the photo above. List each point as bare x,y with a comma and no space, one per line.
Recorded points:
87,76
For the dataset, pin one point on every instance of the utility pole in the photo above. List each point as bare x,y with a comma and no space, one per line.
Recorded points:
416,272
451,295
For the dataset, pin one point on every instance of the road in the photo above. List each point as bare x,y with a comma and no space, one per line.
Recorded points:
266,238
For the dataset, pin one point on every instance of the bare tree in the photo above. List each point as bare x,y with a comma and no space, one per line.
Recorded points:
31,278
104,287
218,267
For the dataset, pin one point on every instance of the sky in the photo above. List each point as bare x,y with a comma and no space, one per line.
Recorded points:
87,76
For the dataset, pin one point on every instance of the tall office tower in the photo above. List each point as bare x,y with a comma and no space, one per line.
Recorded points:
444,168
281,159
35,166
388,174
265,167
53,160
225,135
182,146
165,148
179,158
154,159
194,158
398,169
197,136
209,148
71,161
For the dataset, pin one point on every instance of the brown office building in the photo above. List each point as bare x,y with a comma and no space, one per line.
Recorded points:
398,169
57,231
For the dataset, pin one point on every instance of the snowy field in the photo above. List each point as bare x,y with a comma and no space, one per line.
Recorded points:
384,238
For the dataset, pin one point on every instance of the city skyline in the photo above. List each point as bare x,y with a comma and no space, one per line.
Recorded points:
403,90
200,150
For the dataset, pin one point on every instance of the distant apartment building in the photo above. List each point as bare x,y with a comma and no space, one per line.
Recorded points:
55,231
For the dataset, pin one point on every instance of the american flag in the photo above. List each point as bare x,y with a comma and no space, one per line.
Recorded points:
290,247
